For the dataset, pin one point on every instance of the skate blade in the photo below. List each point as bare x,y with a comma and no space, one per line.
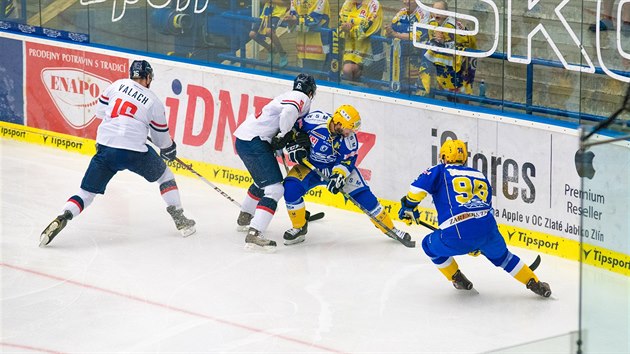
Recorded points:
43,241
45,237
257,248
187,231
472,291
295,241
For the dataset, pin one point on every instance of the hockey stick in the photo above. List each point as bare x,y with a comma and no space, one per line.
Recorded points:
309,217
189,168
425,224
535,263
389,232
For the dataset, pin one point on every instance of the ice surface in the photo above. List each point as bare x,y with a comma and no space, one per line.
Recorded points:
120,278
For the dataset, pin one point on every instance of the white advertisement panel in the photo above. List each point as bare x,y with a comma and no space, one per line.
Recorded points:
531,166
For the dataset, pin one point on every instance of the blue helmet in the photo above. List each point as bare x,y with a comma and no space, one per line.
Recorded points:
305,83
140,69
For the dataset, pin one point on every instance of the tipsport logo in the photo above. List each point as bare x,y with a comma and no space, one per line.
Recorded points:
75,93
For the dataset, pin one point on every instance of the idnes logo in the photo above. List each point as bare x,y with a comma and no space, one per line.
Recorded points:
75,93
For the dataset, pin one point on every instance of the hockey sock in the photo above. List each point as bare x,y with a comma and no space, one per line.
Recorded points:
380,214
524,274
267,207
297,214
513,264
264,213
449,267
170,194
254,194
168,189
78,202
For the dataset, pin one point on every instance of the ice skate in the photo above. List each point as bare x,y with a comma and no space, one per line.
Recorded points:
254,240
184,225
54,227
539,288
293,235
461,282
244,218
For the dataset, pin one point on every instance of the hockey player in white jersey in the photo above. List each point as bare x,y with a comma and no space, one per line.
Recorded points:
129,112
256,140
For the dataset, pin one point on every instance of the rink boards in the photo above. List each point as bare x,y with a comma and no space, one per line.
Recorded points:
51,91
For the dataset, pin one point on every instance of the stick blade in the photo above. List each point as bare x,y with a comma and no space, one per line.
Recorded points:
314,217
535,263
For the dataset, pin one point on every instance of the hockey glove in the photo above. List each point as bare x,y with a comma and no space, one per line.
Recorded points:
169,153
336,183
302,139
296,153
408,211
278,142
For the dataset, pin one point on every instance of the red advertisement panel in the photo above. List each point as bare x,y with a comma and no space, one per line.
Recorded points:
63,87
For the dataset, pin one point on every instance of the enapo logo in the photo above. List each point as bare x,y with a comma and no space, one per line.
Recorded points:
75,93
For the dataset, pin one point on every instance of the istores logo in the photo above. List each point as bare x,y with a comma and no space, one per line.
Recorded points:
75,93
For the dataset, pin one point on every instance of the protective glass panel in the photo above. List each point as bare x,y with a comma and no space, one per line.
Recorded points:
605,247
567,61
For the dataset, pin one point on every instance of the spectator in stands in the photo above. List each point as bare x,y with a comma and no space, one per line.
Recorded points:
401,28
455,73
606,22
313,48
272,13
358,20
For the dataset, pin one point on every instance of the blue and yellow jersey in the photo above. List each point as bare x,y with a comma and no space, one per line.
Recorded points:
328,151
366,17
451,41
403,22
459,193
270,15
311,13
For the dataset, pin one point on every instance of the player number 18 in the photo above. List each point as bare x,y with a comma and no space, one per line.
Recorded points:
124,108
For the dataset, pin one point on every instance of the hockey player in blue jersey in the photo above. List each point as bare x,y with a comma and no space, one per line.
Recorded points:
331,148
463,198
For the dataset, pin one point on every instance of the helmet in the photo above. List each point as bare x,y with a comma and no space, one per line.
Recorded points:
348,116
453,151
140,69
305,83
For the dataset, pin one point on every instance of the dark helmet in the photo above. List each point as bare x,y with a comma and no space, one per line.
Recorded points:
305,83
140,69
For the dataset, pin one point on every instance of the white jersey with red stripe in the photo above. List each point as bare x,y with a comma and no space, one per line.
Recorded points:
276,118
129,111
